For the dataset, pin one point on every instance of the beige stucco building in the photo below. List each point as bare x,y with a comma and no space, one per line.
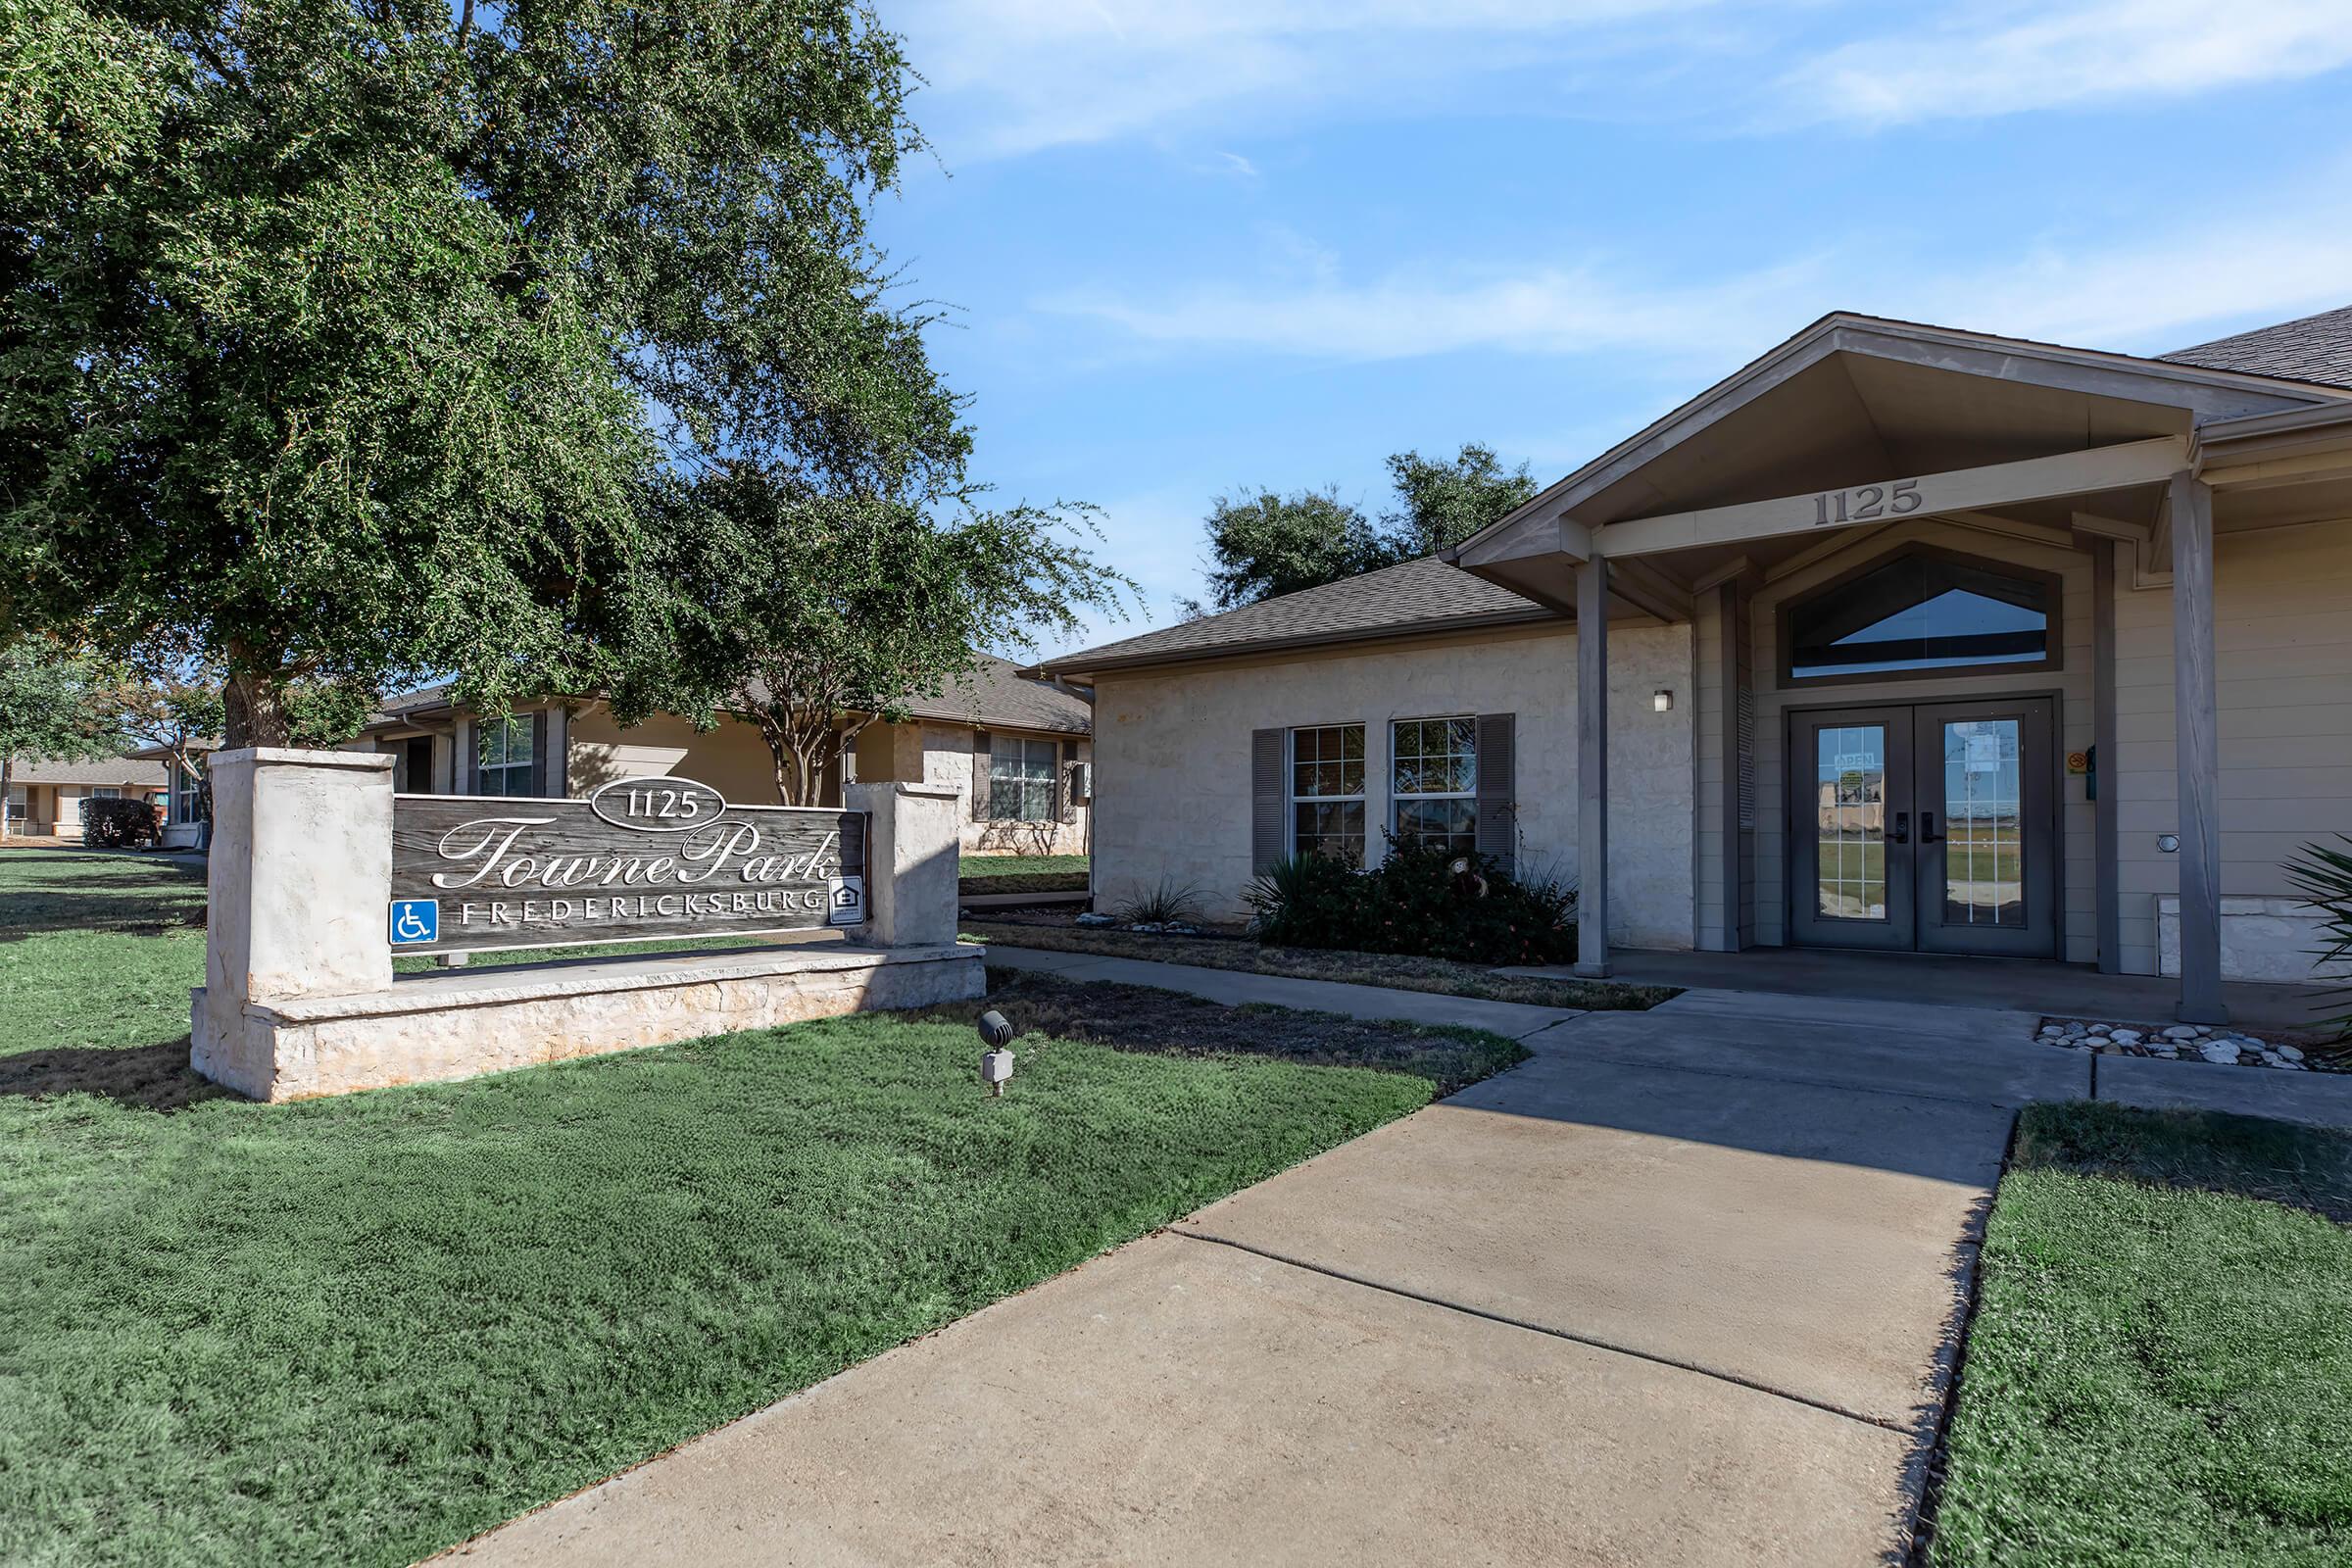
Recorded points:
45,797
1900,638
1016,750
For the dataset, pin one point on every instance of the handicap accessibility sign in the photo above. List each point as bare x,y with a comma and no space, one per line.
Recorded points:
416,920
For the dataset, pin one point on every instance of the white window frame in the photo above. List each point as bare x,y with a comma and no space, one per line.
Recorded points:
1024,778
106,792
504,729
181,796
1400,796
1293,799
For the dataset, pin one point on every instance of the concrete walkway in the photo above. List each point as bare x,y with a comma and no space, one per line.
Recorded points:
1684,1289
1235,987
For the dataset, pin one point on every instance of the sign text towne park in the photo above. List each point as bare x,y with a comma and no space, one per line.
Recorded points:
639,859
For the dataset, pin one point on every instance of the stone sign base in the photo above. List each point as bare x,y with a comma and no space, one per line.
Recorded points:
458,1024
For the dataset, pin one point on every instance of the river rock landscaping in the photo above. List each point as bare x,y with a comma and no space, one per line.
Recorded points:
2191,1042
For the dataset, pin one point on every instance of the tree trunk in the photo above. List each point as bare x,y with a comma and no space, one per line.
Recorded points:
257,712
8,769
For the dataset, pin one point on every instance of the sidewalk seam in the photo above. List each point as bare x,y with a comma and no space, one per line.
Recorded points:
1885,1424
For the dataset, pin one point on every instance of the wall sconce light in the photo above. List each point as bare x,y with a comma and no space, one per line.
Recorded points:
1662,701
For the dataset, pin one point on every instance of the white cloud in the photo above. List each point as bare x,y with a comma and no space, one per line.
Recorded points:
1009,76
1012,77
1410,312
2004,59
2268,256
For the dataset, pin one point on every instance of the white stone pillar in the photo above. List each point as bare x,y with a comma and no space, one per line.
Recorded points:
911,861
2197,752
301,882
1592,769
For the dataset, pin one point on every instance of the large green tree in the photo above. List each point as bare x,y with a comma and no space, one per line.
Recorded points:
1268,544
350,343
52,705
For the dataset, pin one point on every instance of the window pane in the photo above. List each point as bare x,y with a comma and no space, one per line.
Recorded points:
1850,851
1985,849
1449,825
1436,756
1330,828
1328,761
1920,612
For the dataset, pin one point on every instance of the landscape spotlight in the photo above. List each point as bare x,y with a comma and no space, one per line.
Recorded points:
996,1063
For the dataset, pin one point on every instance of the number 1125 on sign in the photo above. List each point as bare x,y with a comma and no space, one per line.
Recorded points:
1865,502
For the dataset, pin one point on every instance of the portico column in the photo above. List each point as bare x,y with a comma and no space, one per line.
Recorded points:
2197,752
1592,769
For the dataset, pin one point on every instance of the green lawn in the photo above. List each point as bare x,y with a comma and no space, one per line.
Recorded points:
2160,1367
1021,864
358,1330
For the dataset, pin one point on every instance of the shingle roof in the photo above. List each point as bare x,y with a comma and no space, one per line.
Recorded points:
998,693
123,771
2310,348
1421,594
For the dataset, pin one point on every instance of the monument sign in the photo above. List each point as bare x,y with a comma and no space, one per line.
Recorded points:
640,859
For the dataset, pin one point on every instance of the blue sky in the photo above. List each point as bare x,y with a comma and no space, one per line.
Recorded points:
1196,247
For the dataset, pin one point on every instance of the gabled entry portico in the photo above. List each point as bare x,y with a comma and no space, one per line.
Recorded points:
1861,442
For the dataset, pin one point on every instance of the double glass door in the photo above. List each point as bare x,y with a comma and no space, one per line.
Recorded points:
1929,828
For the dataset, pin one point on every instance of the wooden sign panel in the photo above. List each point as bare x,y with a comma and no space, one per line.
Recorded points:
641,860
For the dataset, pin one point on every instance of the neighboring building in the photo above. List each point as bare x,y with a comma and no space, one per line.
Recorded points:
1898,620
44,799
1018,750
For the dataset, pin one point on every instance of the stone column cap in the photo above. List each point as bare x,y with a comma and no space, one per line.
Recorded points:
301,756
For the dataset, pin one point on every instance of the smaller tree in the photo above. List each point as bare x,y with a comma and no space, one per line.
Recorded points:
1268,545
1447,502
816,615
178,712
51,706
1276,544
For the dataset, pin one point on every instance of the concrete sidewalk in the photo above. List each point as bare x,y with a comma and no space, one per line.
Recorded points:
1237,987
1684,1289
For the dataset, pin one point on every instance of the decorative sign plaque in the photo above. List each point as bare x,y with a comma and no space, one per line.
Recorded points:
640,859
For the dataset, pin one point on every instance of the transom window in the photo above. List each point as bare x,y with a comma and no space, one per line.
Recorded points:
1923,611
1434,783
510,756
1326,792
1021,779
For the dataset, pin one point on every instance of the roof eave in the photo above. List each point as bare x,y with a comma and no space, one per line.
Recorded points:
1082,666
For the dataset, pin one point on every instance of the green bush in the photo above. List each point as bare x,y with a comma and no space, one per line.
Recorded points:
2323,877
117,824
1416,902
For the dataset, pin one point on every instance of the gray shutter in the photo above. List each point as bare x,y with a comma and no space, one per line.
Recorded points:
1497,760
539,768
980,755
1266,797
1066,805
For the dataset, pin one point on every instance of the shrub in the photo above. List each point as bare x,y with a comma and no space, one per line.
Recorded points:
1416,902
117,824
2323,877
1167,902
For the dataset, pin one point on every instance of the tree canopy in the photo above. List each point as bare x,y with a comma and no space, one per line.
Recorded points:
1270,544
52,707
347,345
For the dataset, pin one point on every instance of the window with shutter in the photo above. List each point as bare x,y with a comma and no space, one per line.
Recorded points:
1433,792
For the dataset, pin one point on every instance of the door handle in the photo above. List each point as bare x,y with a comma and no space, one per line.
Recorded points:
1927,829
1902,829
